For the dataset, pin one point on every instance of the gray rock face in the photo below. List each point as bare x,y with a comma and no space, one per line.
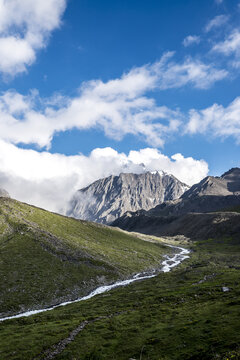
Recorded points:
107,199
4,193
210,194
227,184
177,217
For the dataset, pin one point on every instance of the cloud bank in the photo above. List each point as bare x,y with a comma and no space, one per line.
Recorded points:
49,180
118,107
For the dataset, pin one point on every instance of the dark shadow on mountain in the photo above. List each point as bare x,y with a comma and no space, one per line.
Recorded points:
198,204
193,225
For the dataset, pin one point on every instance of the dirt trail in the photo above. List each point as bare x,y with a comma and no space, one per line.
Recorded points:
58,348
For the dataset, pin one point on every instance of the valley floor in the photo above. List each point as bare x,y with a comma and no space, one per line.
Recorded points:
190,313
167,265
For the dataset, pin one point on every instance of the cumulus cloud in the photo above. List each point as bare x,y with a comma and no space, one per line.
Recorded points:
188,170
49,180
25,26
191,39
217,120
216,22
119,107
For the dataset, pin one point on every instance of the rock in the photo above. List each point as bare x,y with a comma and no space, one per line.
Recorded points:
208,209
107,199
225,289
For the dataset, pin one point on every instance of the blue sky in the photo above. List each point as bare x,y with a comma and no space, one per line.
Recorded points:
123,75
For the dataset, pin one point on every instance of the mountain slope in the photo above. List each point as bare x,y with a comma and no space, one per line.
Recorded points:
195,226
185,314
46,258
227,184
107,199
171,218
4,193
210,194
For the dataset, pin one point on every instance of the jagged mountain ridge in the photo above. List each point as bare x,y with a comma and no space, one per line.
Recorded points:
109,198
209,195
227,184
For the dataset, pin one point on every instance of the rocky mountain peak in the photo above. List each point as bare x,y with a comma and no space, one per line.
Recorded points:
108,198
227,184
232,174
210,195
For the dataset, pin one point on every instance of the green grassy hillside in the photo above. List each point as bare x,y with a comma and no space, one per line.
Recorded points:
181,315
46,258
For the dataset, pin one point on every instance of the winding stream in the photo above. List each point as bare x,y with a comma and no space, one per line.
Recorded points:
170,262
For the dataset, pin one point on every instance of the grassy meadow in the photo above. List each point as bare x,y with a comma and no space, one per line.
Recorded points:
184,314
46,258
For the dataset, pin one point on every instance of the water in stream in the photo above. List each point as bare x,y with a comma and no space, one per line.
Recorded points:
170,262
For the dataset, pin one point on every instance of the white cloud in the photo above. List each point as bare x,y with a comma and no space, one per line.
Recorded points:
217,120
119,107
117,112
15,54
194,72
49,180
229,46
216,22
218,2
25,26
191,39
188,170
